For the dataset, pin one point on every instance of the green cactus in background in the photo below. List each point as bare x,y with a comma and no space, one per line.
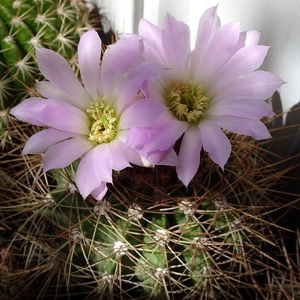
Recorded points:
151,238
26,24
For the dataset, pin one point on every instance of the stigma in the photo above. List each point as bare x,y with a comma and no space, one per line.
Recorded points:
104,123
188,102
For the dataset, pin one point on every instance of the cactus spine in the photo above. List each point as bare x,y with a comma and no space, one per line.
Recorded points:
151,238
26,24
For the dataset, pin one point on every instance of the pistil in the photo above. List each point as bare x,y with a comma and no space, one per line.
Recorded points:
104,123
188,102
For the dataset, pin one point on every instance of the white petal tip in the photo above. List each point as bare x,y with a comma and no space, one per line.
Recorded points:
147,163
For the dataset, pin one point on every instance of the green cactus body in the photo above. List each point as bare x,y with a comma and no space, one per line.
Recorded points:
26,24
151,237
143,248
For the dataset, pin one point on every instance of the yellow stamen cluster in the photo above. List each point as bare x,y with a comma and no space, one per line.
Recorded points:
188,102
104,123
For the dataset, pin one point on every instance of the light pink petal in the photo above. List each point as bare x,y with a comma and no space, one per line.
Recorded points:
166,158
122,136
95,167
164,134
49,90
252,37
117,61
246,38
170,159
64,153
208,25
62,116
153,42
134,157
25,111
156,157
119,159
42,140
154,142
244,61
135,81
254,128
56,69
176,44
130,47
140,114
256,85
100,191
86,176
53,113
89,53
103,161
250,109
159,137
215,142
220,49
189,155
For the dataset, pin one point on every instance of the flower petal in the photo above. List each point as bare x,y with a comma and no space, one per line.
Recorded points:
53,113
86,178
49,90
89,54
24,111
159,137
114,67
243,108
256,85
42,140
215,142
64,153
153,40
130,47
254,128
95,167
170,159
140,114
157,157
189,155
103,162
100,191
220,49
153,143
246,38
56,69
134,157
244,61
208,25
176,44
119,159
135,80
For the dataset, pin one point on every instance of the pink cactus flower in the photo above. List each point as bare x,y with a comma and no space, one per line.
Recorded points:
212,88
90,121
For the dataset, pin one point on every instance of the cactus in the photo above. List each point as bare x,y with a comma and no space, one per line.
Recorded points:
26,24
151,238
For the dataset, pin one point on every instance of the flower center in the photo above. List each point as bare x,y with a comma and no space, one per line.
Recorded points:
104,123
188,102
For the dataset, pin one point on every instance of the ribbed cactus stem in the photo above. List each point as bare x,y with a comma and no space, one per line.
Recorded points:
27,24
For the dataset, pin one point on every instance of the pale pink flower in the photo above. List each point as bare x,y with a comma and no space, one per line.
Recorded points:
213,88
90,121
